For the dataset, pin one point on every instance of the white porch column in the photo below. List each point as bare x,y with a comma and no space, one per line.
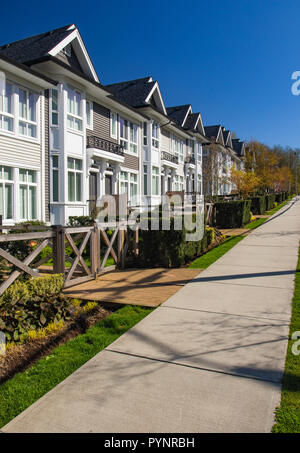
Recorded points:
116,173
103,167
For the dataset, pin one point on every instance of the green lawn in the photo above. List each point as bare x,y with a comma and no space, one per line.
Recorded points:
210,257
287,416
25,388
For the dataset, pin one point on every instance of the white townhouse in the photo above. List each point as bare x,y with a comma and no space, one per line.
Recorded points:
23,142
171,144
93,140
219,157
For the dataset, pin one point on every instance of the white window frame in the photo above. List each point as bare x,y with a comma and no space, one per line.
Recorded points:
52,110
5,114
127,142
28,184
157,176
26,120
145,133
75,171
89,125
145,182
72,116
126,181
113,117
155,135
55,169
7,182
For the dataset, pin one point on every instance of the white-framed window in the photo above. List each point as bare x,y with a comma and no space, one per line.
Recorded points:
128,184
199,182
128,135
74,113
181,151
113,125
27,113
54,108
6,192
28,194
155,181
124,133
55,177
6,109
181,183
155,134
145,179
133,138
74,179
89,114
145,133
199,151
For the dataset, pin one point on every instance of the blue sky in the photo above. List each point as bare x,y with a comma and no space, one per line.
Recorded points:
231,59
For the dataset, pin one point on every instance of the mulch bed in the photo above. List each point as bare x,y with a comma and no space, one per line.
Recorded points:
23,356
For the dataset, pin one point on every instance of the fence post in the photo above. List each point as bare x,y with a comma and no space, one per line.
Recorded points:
136,241
121,247
59,249
94,246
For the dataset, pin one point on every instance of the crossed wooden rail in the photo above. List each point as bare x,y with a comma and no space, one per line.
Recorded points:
59,237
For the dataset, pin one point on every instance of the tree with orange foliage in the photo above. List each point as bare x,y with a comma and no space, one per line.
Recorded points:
244,181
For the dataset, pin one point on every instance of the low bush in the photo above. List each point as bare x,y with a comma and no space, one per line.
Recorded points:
32,305
233,214
270,201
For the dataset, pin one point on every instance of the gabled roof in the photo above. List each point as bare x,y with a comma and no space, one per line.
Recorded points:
37,46
138,93
227,137
238,146
179,113
214,133
34,49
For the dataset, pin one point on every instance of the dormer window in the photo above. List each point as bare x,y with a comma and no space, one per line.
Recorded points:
67,50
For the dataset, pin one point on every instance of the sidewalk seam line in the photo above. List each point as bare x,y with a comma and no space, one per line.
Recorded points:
194,367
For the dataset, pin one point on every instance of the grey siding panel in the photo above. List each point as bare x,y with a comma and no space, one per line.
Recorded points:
47,158
131,162
101,123
71,61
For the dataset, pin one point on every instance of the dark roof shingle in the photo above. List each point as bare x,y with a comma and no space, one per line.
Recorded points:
133,92
178,113
35,47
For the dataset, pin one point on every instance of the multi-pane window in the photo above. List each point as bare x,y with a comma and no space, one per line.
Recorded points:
128,184
55,178
113,124
199,151
27,113
155,181
74,117
181,151
179,183
133,138
124,133
155,135
145,134
89,114
6,109
27,194
54,108
74,179
6,192
145,180
128,135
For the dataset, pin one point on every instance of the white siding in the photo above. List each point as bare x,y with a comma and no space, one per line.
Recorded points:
19,152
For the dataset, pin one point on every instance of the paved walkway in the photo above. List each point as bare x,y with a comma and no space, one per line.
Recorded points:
210,359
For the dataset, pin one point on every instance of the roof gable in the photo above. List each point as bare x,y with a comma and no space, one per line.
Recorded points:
30,50
215,133
238,146
227,137
179,113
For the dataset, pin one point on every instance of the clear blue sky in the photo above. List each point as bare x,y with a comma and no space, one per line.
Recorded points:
231,59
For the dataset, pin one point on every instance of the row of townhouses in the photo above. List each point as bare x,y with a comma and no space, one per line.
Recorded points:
66,139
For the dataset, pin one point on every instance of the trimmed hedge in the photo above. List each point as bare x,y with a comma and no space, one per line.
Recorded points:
270,201
258,205
169,248
233,214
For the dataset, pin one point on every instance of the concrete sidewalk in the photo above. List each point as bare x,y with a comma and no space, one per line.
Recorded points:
210,359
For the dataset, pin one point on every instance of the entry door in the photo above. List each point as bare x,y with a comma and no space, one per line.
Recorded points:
108,184
93,187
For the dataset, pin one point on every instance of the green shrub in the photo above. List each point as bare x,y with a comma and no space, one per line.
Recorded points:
270,200
31,305
233,214
169,248
258,205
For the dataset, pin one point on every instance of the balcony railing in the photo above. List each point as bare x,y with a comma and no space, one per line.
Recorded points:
169,157
96,142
